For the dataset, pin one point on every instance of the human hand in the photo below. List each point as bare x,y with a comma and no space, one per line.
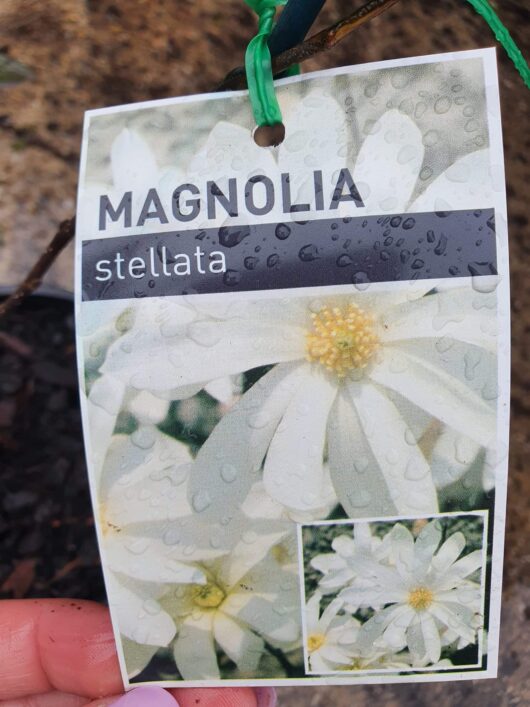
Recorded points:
61,653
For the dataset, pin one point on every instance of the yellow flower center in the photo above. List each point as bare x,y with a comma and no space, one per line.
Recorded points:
106,526
208,596
342,340
281,554
315,641
420,598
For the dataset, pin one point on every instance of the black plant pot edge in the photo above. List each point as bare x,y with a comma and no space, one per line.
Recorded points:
44,291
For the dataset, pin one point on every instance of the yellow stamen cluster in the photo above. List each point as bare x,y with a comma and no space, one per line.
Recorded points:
342,340
315,641
208,596
420,598
106,526
281,554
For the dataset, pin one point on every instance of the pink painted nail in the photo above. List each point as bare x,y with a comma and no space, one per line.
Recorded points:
266,697
147,697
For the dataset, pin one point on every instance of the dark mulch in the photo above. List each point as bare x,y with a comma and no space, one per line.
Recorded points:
47,538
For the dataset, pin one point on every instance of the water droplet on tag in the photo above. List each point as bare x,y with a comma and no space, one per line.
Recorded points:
201,501
230,236
282,231
231,277
308,253
228,473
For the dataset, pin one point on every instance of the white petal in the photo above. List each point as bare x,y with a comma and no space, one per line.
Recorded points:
227,464
425,546
143,479
356,475
312,612
336,580
467,565
103,405
271,619
404,467
395,636
140,616
344,545
133,164
377,624
452,456
431,637
163,326
223,389
438,393
293,473
327,562
449,552
240,645
147,559
148,409
318,664
457,313
194,649
137,656
452,620
249,552
466,184
334,654
230,152
363,539
316,137
329,613
389,163
403,550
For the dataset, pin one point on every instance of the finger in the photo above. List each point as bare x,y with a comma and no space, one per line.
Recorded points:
146,697
102,701
215,697
50,699
51,644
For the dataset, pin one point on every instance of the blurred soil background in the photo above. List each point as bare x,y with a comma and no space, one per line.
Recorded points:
91,53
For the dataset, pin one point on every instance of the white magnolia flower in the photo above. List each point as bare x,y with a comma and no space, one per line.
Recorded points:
330,636
428,593
250,598
340,567
140,487
353,374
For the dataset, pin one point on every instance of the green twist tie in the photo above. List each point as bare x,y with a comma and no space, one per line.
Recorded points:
258,65
503,36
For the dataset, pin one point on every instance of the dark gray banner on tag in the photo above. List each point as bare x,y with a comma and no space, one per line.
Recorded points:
297,254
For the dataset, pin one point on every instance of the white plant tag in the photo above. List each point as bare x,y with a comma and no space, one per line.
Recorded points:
294,365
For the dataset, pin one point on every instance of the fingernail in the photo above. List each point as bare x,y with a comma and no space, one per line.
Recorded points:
266,697
147,697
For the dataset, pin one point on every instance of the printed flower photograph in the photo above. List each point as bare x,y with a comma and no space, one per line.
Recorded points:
257,414
397,596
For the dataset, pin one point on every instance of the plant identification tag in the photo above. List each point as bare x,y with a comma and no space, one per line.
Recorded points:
294,369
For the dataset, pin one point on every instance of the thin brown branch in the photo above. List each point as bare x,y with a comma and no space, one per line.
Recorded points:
321,42
33,279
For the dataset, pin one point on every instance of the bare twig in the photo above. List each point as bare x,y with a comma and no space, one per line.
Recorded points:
33,279
13,343
320,42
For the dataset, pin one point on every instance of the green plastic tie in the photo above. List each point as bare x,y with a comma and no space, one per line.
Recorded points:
503,36
258,65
